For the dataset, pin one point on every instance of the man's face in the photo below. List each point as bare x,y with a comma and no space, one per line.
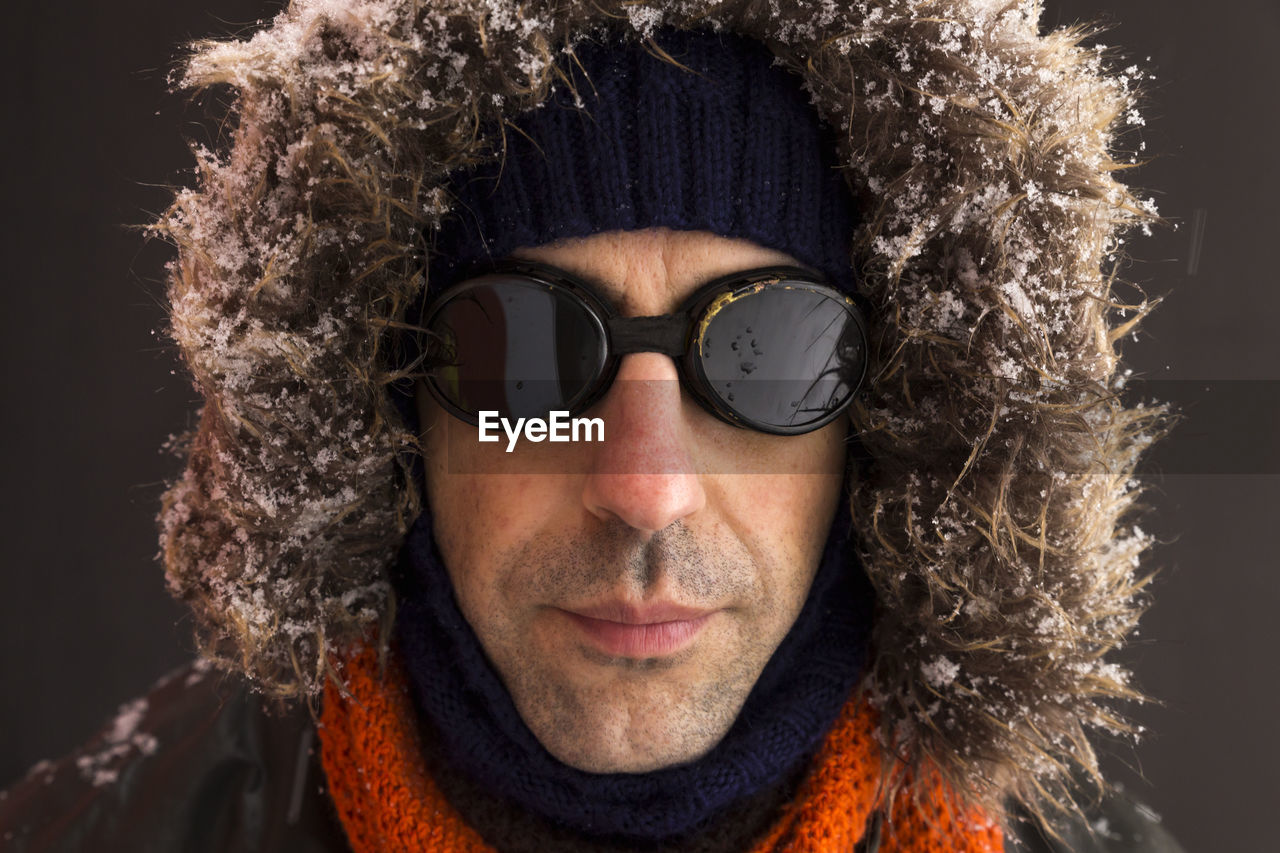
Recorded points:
630,600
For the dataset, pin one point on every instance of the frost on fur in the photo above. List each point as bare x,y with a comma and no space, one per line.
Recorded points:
994,517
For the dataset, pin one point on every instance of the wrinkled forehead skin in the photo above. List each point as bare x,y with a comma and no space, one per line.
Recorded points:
994,521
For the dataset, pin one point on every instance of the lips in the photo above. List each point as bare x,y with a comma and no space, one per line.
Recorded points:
627,630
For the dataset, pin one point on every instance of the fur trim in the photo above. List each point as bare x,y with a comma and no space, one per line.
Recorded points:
994,513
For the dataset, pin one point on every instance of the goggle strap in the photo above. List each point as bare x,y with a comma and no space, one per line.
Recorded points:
665,334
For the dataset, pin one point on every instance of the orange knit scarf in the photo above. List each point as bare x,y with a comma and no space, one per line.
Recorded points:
378,781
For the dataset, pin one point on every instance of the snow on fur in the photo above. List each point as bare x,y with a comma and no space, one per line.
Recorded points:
994,517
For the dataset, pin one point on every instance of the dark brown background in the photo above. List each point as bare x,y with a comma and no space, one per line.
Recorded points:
91,138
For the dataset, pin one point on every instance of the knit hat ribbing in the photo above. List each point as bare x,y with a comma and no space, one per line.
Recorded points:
733,148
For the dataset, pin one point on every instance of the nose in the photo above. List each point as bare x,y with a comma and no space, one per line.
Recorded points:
642,473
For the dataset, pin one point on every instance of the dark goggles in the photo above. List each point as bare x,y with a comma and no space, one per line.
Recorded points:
773,349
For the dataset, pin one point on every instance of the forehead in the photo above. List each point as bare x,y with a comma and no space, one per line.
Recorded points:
652,271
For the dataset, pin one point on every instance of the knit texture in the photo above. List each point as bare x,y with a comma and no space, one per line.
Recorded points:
793,703
516,830
727,144
386,800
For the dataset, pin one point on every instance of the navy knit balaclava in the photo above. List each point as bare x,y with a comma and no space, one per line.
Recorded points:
733,147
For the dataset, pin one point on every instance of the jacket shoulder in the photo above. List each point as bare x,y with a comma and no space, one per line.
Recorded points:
198,764
1112,823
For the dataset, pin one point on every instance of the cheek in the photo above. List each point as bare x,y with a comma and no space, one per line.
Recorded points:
466,511
790,512
479,520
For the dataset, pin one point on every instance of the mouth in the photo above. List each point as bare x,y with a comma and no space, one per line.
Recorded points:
625,630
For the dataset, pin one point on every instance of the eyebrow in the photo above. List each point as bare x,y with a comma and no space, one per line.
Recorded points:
605,290
602,288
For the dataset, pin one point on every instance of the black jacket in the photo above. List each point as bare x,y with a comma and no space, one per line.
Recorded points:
203,765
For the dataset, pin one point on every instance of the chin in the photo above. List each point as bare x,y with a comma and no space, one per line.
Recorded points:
608,749
637,728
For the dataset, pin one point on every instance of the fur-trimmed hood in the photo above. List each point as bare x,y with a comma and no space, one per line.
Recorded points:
994,517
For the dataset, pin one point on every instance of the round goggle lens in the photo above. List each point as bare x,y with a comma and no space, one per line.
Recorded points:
514,346
785,358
